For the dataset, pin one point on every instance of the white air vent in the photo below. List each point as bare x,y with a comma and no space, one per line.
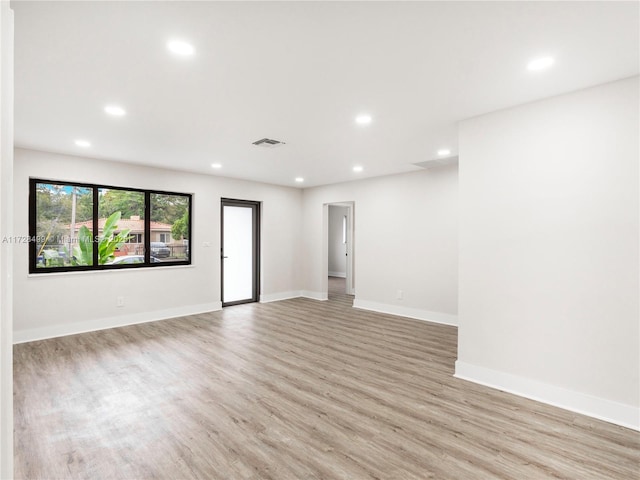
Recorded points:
268,143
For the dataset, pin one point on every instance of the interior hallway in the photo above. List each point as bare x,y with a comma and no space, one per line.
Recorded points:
337,288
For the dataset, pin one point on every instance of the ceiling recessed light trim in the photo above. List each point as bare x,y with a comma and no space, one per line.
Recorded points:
82,143
299,179
358,168
180,47
216,165
115,110
540,63
363,119
444,151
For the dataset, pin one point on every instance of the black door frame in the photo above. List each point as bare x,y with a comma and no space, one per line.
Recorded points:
255,241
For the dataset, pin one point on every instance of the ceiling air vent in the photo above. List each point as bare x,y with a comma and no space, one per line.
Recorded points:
268,143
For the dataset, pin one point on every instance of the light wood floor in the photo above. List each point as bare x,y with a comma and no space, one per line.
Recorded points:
297,389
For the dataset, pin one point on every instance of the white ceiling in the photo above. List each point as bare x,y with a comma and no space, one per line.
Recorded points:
299,72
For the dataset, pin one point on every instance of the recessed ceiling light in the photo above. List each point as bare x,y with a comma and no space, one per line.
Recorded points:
216,165
540,63
180,48
444,152
363,119
83,143
299,179
115,110
357,168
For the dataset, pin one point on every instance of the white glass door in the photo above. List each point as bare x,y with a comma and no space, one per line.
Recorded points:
239,252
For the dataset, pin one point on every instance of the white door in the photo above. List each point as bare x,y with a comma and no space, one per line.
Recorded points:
349,251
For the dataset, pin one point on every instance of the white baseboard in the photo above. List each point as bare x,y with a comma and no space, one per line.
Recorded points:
315,295
30,335
338,274
416,313
276,297
596,407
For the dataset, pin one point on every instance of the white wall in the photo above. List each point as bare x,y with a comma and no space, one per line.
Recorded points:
81,301
549,251
405,239
6,230
337,249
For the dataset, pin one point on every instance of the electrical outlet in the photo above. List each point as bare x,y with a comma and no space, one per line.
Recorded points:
399,295
119,301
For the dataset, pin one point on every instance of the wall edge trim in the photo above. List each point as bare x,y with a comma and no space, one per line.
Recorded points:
276,297
596,407
322,296
62,330
402,311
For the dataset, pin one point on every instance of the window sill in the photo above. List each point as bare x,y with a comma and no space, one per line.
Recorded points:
101,272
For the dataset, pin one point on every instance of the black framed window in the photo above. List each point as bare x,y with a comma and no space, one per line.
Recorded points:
75,226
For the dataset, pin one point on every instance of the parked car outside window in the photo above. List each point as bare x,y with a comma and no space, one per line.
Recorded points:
129,259
160,249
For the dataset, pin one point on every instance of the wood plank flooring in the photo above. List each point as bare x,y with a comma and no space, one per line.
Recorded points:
297,389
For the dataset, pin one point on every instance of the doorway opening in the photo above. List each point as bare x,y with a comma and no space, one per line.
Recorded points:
339,251
239,251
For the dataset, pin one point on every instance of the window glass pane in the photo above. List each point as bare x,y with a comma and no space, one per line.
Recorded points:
64,228
120,226
169,227
238,253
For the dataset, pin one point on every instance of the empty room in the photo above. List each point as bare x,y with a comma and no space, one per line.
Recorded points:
319,240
